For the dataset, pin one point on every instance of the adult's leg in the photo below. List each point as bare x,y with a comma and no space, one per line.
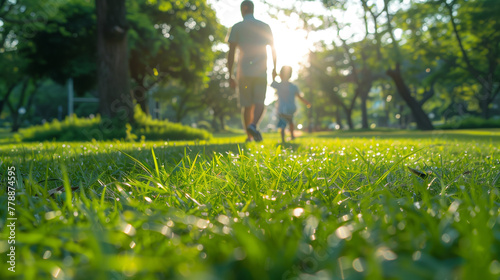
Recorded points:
257,113
248,116
259,88
246,100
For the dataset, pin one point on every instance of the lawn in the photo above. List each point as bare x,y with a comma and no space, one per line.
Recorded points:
367,205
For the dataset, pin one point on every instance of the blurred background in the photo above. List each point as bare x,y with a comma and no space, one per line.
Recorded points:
363,64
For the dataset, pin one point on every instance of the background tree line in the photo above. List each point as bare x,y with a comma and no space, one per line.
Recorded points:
421,62
417,61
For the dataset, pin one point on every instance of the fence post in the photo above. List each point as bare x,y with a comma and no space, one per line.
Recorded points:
70,97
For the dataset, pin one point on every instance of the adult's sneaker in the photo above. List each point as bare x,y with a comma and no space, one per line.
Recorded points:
254,132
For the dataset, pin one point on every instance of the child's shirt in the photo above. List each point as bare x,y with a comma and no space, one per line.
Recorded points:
286,97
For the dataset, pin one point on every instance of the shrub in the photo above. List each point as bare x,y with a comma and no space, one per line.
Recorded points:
204,125
165,130
84,129
471,122
73,129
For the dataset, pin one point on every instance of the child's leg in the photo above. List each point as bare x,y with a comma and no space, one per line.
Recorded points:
283,134
291,130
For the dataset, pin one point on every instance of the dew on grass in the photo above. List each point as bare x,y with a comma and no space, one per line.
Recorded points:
47,254
239,254
267,197
56,272
52,214
223,219
165,230
386,254
201,223
129,230
495,267
416,255
357,265
343,232
297,212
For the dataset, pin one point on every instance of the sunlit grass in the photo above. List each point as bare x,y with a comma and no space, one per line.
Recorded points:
322,206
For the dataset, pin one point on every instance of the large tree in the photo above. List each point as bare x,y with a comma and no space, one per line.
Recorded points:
389,54
171,40
115,99
20,22
217,96
476,34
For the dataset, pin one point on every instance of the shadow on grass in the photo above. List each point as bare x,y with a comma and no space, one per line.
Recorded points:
87,162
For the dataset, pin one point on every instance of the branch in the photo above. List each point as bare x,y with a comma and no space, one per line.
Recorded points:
9,91
494,95
346,49
5,99
23,93
2,3
391,32
427,95
21,21
470,67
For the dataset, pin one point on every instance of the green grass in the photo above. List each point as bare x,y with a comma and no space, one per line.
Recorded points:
327,206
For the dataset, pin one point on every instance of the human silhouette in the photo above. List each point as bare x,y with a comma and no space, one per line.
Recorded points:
250,37
287,92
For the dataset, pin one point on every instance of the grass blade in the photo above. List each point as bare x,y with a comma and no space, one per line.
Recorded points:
395,165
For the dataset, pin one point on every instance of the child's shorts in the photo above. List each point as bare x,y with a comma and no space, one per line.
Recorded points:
284,119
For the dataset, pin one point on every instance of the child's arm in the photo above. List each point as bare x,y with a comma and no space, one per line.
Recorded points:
274,84
299,95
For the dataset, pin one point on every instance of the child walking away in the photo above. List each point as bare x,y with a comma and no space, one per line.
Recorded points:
286,100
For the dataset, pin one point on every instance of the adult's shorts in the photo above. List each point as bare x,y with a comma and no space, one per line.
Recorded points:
252,90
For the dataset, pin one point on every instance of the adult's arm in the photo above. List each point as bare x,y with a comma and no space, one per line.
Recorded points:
273,50
230,63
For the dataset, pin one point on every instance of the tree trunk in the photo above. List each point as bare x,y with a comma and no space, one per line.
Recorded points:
364,110
222,124
423,121
484,105
6,96
348,115
214,123
401,117
140,96
427,95
115,99
15,122
310,112
338,117
16,119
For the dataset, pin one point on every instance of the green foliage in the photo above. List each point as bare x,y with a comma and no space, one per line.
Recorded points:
65,47
83,129
204,125
471,122
165,130
171,40
73,129
323,206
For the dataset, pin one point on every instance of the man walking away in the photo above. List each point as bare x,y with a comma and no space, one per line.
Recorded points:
250,36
